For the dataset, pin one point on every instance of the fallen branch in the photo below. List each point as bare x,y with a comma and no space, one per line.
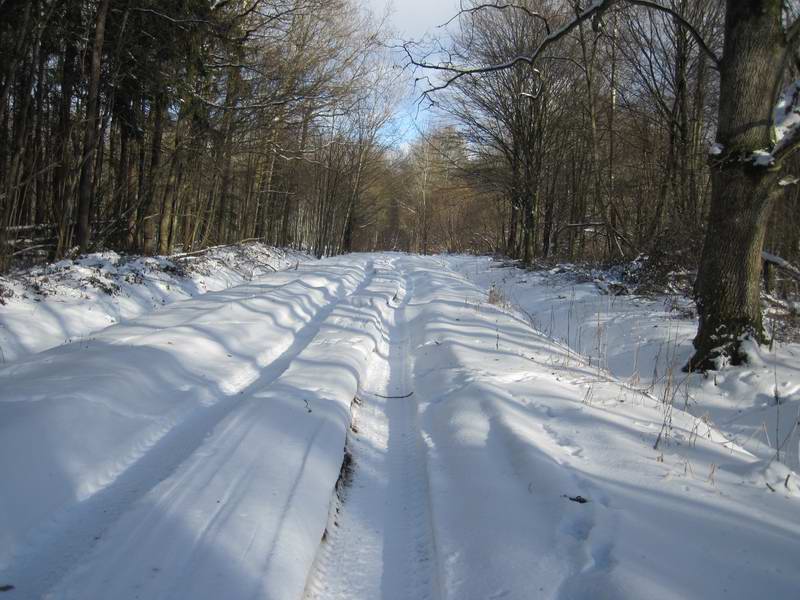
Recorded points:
782,264
408,395
210,248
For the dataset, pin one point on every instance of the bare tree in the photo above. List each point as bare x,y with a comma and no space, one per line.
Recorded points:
755,136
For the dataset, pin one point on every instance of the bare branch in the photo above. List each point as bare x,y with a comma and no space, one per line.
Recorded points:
594,12
781,264
684,23
474,9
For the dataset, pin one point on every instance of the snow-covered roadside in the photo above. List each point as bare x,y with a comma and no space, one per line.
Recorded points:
72,299
545,480
193,452
645,341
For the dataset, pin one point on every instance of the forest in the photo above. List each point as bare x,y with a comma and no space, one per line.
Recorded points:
553,131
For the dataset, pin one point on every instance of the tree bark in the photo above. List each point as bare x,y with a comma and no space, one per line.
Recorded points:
728,282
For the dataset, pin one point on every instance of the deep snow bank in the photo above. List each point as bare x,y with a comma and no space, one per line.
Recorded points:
645,341
72,299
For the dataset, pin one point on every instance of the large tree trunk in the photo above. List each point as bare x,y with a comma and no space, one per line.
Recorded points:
727,290
728,286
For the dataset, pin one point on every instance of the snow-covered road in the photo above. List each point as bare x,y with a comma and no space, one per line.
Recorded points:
198,453
379,540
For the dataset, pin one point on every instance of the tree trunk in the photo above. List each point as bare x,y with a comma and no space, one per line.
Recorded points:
150,224
511,241
121,181
62,202
90,132
167,205
728,281
264,192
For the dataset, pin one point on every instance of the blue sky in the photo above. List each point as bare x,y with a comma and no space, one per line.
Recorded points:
415,18
412,19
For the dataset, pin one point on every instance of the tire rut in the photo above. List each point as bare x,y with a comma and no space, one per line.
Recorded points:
379,542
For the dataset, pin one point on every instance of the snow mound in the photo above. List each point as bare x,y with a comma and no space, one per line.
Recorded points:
72,299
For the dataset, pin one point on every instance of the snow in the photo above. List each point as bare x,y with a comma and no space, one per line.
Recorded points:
526,424
384,509
645,341
762,158
72,299
98,422
785,119
195,451
786,115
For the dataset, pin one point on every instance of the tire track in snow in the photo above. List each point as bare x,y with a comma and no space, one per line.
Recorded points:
67,537
379,542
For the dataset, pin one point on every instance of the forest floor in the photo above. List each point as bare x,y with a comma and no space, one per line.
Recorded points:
397,427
